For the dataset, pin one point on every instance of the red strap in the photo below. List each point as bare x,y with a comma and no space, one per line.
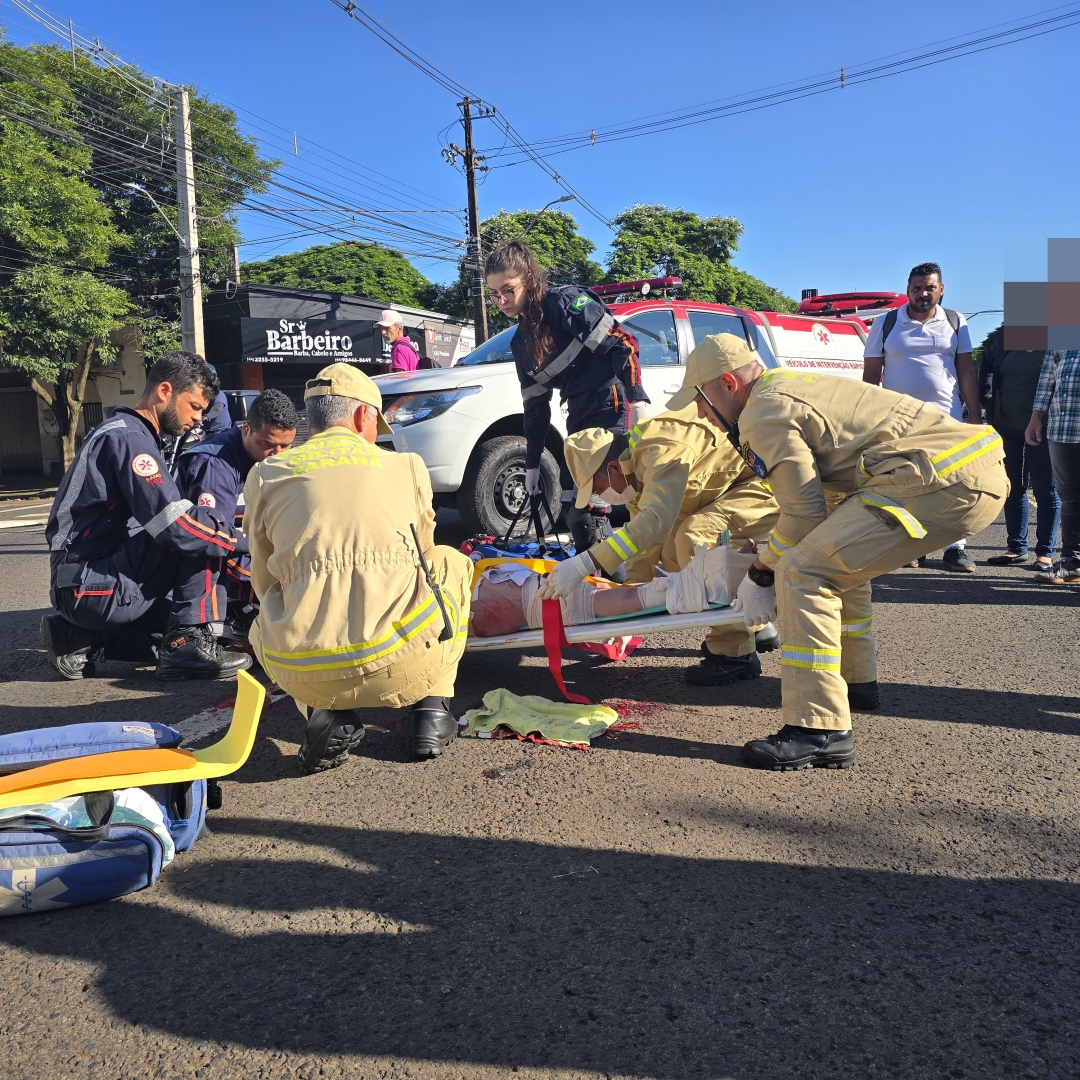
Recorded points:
554,641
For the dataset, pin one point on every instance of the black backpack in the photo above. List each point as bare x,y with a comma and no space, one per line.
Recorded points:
890,322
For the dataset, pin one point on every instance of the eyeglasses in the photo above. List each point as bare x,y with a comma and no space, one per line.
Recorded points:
507,292
716,412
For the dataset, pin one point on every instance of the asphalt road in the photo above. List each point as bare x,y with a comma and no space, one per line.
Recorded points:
649,908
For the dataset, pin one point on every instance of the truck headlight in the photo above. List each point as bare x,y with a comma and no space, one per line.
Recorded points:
415,408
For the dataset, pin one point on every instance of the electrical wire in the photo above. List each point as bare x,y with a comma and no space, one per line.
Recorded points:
447,82
306,187
871,71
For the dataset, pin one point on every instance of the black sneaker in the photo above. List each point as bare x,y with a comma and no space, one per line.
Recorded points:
721,670
958,560
71,650
430,728
192,652
795,748
863,696
329,736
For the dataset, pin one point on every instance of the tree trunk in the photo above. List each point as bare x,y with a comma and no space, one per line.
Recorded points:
74,391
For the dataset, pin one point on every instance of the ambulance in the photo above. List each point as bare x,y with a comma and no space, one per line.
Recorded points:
465,421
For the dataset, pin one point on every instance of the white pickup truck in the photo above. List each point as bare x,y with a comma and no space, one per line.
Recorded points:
466,421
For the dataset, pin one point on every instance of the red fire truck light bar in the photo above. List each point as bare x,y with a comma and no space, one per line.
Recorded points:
622,288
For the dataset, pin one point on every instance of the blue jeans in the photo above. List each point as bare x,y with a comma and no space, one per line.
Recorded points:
1030,466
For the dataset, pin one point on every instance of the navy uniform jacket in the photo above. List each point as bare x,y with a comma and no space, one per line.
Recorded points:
118,476
212,474
594,365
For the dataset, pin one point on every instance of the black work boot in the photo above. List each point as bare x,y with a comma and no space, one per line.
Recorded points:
238,619
721,670
766,639
192,652
794,748
72,651
863,696
430,727
329,736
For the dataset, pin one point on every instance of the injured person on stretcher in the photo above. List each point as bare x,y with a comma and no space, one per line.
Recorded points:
505,598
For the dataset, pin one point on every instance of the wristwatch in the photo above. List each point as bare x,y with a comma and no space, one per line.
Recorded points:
762,578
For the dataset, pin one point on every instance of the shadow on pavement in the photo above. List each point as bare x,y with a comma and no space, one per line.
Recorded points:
512,953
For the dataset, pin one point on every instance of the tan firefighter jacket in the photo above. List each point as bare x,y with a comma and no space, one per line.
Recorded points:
816,435
681,464
333,560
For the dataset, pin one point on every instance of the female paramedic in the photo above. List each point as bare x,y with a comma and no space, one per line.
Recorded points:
567,339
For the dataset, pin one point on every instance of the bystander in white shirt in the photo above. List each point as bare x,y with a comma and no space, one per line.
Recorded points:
920,357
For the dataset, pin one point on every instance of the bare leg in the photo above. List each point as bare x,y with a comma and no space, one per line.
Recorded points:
625,601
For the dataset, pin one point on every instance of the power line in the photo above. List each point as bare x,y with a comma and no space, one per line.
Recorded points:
332,198
871,71
447,82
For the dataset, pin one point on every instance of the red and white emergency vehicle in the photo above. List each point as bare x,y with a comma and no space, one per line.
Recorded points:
466,421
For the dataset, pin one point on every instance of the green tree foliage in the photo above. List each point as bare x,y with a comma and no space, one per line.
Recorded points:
654,241
993,345
551,235
348,267
126,120
77,247
56,308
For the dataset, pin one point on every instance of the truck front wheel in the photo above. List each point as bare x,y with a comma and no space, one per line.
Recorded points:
493,488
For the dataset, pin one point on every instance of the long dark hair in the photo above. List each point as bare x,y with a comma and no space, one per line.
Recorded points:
516,260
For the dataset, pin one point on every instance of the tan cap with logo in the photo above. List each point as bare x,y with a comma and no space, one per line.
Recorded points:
343,380
716,355
585,452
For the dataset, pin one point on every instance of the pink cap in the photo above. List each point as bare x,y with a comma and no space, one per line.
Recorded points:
390,318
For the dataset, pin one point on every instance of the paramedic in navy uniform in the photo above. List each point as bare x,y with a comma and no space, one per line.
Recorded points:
129,555
566,338
212,473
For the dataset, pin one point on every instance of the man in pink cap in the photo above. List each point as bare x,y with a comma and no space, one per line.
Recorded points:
403,354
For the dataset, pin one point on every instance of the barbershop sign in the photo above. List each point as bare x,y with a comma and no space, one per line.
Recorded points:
278,341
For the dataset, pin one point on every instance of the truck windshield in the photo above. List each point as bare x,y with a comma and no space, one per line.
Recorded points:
495,350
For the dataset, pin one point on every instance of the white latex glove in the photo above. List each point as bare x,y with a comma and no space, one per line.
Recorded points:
566,577
638,410
532,481
724,570
758,605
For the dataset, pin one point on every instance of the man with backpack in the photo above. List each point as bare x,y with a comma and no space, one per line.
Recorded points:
924,350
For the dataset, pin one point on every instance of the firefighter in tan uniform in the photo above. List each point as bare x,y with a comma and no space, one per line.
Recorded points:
911,480
684,484
349,619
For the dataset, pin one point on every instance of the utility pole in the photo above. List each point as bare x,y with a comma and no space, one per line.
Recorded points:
191,313
234,264
474,252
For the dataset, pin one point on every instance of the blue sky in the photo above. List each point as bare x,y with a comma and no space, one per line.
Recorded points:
841,191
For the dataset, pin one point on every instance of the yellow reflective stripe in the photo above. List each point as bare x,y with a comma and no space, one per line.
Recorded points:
818,659
364,652
970,449
912,526
635,435
779,544
855,629
622,545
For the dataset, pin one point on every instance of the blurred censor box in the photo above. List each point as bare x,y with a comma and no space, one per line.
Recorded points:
1042,294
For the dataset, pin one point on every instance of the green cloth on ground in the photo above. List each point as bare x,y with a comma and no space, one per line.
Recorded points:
557,722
